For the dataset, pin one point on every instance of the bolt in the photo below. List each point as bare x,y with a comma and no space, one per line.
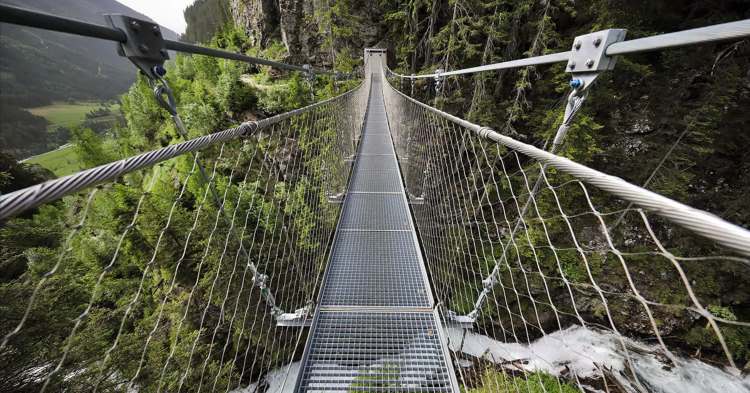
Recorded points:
597,42
164,53
572,65
143,48
155,29
578,45
159,70
135,25
589,63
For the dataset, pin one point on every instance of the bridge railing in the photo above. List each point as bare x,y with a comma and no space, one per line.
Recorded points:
172,269
522,244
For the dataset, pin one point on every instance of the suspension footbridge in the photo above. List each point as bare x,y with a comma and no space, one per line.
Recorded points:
368,242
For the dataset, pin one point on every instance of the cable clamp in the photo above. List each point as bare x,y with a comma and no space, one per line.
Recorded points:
489,282
163,94
248,128
439,78
484,132
588,57
309,72
260,280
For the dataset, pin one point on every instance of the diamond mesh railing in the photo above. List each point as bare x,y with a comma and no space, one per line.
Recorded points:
375,328
526,248
182,287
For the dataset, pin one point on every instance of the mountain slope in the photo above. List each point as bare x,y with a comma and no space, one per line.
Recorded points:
37,66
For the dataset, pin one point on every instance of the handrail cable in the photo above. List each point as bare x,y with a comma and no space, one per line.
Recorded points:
16,202
698,221
703,35
31,18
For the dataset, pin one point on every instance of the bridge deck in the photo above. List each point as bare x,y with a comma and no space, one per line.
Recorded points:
375,328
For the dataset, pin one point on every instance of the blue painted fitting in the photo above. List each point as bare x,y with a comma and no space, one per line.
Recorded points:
576,83
159,70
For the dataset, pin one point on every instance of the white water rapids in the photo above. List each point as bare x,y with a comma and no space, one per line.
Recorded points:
582,351
574,350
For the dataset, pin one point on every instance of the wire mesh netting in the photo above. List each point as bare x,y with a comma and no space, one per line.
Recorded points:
171,278
367,335
569,287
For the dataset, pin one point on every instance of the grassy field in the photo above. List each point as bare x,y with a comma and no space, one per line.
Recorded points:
62,161
67,114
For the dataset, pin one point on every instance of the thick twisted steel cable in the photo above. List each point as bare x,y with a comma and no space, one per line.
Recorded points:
644,302
16,202
27,198
459,177
703,223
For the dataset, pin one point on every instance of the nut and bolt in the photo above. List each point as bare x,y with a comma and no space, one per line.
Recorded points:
576,83
577,45
572,65
597,41
159,70
589,63
135,25
155,29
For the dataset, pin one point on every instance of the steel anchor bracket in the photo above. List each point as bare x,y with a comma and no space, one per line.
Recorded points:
299,318
460,321
588,55
145,45
415,200
336,198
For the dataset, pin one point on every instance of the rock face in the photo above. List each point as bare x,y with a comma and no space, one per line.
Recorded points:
294,22
259,18
301,25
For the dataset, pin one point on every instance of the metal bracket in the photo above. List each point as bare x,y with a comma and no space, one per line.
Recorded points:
413,200
588,57
460,321
338,198
299,318
144,46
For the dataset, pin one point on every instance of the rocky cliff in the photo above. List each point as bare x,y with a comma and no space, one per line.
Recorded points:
313,31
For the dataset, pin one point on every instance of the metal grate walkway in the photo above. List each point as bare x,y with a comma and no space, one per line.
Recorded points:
375,329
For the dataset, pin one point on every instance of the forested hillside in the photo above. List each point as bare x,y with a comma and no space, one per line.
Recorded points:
674,121
39,67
